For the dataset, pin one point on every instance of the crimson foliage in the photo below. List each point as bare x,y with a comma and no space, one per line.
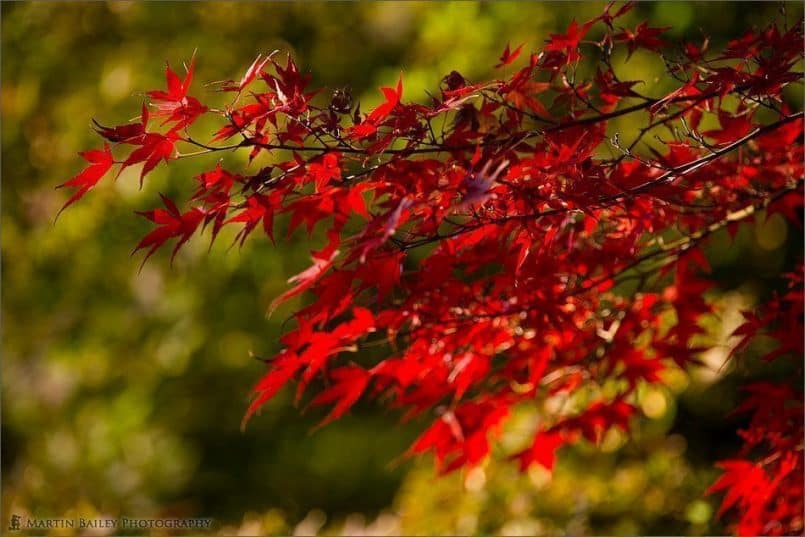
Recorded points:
501,244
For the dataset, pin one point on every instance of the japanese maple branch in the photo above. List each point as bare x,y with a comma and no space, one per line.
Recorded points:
667,177
587,121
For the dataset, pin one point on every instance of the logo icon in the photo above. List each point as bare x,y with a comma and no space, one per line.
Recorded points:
15,523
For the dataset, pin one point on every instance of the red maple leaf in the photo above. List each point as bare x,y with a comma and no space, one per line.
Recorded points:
542,450
172,224
642,37
508,55
101,161
306,278
154,148
349,383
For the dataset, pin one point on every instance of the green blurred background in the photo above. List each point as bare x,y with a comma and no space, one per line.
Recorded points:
122,392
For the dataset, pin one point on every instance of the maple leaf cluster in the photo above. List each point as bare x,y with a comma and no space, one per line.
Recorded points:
510,249
765,485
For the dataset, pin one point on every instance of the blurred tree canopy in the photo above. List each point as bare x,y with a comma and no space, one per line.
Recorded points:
123,391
